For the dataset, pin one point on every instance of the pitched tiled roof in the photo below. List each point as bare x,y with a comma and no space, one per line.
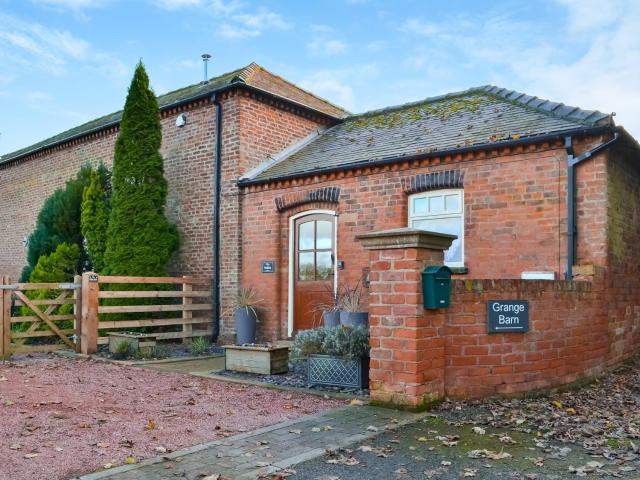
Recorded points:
475,117
252,75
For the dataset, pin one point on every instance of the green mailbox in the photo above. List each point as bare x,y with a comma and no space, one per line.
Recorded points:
436,287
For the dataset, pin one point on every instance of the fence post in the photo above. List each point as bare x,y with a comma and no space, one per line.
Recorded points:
77,310
89,310
187,315
5,348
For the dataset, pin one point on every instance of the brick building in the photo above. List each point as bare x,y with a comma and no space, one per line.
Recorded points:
300,181
261,113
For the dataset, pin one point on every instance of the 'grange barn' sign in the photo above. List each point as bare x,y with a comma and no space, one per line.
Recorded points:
504,316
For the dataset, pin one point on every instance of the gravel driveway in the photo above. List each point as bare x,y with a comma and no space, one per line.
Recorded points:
63,417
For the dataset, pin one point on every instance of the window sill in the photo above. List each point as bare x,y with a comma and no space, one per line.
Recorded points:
459,270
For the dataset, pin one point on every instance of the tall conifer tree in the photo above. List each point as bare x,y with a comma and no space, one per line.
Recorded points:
140,239
94,220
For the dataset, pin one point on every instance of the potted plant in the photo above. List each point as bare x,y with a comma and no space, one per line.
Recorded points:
246,315
330,310
351,313
337,356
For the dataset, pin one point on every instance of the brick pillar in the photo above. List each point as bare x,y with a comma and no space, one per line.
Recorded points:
407,344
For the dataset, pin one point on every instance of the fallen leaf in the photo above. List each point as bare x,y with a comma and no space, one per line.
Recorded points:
150,425
445,463
371,428
357,402
130,460
107,466
470,472
102,445
30,455
315,429
479,430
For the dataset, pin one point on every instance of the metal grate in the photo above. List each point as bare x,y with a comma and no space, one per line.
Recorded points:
326,370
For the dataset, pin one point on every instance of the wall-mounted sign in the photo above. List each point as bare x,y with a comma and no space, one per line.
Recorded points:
268,266
504,316
93,278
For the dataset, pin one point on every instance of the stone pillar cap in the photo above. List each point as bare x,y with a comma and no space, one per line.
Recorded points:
405,238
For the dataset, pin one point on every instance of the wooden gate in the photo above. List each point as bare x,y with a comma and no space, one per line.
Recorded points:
45,324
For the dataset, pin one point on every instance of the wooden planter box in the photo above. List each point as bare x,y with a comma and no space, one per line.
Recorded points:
256,359
338,372
142,342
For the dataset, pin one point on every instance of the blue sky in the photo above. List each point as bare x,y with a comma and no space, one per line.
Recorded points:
64,62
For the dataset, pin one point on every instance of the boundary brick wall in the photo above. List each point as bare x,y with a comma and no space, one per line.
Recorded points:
577,329
515,208
567,338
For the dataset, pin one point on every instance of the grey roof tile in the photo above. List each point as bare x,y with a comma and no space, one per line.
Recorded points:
475,117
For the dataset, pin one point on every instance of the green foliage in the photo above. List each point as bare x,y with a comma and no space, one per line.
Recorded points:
59,221
340,341
124,350
307,342
58,267
140,239
94,220
199,346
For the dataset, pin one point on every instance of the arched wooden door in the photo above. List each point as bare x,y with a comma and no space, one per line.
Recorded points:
313,268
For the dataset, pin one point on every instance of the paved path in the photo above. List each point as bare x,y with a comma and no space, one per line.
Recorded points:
267,450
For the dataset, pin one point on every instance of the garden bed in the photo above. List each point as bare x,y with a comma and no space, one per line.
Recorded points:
164,350
63,417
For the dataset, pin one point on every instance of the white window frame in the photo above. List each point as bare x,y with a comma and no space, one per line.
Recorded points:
430,216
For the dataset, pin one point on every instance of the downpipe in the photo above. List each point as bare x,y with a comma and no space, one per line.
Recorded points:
216,219
572,162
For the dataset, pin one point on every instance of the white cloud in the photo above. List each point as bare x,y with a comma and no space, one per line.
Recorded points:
33,44
238,19
228,30
324,47
594,63
176,4
417,26
72,4
37,97
326,85
262,20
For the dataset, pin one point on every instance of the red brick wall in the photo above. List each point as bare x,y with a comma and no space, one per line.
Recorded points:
623,251
258,131
188,158
252,131
515,217
567,338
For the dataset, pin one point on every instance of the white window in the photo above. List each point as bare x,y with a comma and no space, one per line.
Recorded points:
441,211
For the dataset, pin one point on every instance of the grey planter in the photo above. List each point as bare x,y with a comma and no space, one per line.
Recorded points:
337,371
246,323
354,319
331,318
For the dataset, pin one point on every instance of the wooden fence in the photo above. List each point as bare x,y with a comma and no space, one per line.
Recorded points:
178,307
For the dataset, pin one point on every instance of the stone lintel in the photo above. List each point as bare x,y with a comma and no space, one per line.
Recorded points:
405,238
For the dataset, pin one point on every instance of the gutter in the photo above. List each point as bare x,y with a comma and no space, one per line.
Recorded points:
216,218
572,162
421,156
